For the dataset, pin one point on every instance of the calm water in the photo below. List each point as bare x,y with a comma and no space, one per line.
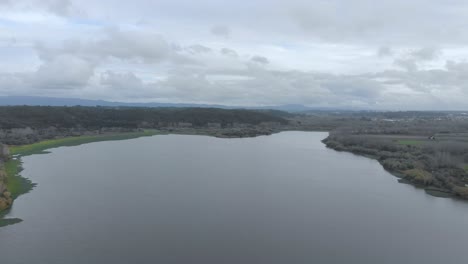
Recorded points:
193,199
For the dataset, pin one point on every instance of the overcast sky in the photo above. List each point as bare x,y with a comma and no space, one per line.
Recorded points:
385,54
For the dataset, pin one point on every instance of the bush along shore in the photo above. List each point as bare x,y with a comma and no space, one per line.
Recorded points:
436,165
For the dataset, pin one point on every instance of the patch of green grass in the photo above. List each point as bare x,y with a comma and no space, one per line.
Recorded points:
410,142
9,221
40,147
466,168
15,183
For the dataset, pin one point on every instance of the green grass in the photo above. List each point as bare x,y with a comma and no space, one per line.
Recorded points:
466,168
40,147
410,142
16,184
8,221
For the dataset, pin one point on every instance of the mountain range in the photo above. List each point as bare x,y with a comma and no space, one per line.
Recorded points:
55,101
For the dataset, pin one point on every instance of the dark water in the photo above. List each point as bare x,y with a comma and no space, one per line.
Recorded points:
192,199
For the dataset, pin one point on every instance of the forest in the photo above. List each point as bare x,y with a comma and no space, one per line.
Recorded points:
127,117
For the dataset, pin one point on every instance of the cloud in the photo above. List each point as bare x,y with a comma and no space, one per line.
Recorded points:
197,48
60,7
130,45
260,60
384,51
114,43
408,64
387,22
357,87
412,59
221,30
336,53
63,72
391,89
121,81
229,52
425,54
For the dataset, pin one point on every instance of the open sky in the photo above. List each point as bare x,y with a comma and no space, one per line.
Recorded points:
371,54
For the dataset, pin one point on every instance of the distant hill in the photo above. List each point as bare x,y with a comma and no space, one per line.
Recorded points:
55,101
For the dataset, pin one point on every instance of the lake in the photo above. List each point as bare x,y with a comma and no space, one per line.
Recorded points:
283,198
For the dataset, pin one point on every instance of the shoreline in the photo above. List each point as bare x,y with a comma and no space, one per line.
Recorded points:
17,185
402,178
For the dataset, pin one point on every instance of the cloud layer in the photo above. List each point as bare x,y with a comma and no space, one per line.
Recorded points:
337,53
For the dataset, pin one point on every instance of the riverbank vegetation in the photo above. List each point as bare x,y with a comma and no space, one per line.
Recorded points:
41,146
432,154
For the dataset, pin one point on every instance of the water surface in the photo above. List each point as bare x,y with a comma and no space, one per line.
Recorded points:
283,198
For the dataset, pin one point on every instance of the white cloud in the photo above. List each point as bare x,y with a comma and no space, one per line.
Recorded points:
62,72
333,53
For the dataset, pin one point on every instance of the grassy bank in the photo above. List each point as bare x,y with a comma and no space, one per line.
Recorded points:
40,147
19,185
16,184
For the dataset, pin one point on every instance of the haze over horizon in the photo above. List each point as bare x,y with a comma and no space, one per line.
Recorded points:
382,55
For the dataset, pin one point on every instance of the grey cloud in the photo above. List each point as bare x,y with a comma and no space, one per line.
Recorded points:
354,87
384,51
221,30
114,43
425,54
262,86
57,7
411,60
131,45
298,35
269,88
260,59
60,7
461,68
197,48
64,71
408,64
120,81
229,52
127,46
386,22
455,75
